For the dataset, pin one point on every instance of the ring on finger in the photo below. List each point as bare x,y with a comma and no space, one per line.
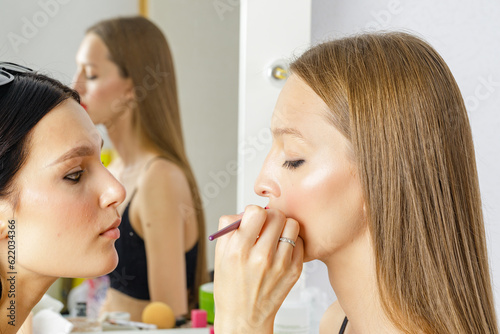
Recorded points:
290,241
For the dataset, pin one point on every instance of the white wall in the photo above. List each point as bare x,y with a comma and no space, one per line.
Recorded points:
45,34
467,35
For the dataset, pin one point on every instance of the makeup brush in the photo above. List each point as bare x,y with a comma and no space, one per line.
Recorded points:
227,229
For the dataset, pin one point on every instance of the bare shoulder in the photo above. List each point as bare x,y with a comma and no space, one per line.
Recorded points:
332,319
163,178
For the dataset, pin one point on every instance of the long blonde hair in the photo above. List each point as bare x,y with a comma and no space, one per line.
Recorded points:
141,52
394,98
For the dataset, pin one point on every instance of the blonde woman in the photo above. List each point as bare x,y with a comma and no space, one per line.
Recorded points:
58,203
371,171
126,80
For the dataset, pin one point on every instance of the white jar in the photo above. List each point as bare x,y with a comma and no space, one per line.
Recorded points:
293,315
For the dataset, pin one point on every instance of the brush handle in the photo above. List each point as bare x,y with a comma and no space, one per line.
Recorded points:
225,230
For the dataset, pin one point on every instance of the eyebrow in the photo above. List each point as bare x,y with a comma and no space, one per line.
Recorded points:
79,151
287,131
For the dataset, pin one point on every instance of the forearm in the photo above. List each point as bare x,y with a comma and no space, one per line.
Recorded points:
241,325
171,291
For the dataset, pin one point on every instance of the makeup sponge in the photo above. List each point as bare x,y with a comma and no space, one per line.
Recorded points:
159,314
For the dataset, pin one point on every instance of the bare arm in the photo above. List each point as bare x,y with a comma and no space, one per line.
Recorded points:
163,192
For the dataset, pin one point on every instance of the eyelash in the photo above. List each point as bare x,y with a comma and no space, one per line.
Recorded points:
92,77
293,164
75,177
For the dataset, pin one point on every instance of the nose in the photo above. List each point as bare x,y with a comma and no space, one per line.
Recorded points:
79,82
266,184
113,193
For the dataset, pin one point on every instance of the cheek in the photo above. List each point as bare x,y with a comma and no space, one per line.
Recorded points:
75,216
65,210
58,234
327,203
46,216
305,197
103,92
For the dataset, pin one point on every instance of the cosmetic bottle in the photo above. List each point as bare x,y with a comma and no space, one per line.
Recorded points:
77,300
206,300
198,318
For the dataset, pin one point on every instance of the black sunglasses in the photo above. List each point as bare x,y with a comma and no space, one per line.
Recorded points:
8,69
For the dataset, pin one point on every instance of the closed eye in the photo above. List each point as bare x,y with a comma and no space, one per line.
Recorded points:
293,164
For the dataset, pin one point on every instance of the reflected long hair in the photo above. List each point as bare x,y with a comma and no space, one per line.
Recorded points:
141,52
394,98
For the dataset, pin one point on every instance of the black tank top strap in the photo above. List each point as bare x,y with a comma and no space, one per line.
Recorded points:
132,196
344,325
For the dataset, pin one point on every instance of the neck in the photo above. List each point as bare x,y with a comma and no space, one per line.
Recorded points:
127,143
352,275
20,293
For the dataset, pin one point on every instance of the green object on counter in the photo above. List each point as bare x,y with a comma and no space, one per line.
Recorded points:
206,299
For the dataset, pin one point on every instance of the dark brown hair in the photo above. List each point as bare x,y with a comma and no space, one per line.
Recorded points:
23,103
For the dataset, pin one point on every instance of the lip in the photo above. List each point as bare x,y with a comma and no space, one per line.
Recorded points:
83,105
112,231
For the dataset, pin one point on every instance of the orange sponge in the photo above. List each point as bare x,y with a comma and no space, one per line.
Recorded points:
159,314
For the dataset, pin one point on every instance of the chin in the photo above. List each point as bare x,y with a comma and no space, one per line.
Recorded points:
102,266
111,265
317,253
308,258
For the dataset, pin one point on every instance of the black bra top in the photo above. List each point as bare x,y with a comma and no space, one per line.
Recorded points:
344,325
131,274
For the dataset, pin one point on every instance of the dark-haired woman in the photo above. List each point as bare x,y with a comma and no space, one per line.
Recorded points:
58,203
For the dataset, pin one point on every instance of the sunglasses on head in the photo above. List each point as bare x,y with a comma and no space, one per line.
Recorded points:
7,71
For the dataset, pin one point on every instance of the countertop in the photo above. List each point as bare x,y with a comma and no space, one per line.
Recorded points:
157,331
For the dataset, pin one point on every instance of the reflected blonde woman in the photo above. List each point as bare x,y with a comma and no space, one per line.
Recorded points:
127,82
372,171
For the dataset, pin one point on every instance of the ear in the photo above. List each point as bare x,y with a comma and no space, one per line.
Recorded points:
365,214
6,213
129,94
3,229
